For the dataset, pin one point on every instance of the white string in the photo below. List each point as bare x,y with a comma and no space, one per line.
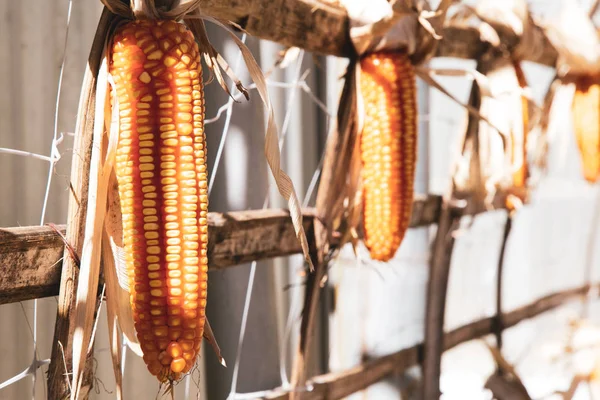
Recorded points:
293,307
28,371
55,140
263,393
251,276
284,85
229,107
54,157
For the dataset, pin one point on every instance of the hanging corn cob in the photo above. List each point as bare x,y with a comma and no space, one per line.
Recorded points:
388,145
586,120
162,177
153,141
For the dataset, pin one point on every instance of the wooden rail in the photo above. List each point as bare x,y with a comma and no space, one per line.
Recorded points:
31,257
321,26
338,385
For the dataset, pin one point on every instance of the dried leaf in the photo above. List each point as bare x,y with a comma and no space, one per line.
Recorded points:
272,153
90,259
504,388
210,337
213,59
114,335
286,58
340,207
115,271
426,75
118,7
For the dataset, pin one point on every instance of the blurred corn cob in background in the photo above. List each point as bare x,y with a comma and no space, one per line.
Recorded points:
388,148
586,121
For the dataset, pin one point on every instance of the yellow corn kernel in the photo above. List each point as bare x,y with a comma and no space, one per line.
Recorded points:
388,145
145,73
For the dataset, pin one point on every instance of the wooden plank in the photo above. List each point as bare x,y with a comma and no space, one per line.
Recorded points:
338,385
321,26
240,237
31,260
31,257
314,25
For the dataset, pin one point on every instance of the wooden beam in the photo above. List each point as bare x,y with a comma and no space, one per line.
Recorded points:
31,257
31,262
321,26
338,385
314,25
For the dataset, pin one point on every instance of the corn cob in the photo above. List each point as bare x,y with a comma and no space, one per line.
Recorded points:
162,177
388,150
586,119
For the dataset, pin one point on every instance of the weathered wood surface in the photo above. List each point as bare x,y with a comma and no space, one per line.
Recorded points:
314,25
31,261
240,237
31,257
321,26
338,385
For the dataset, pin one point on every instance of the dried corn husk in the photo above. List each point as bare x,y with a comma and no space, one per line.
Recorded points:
575,38
375,26
408,25
494,151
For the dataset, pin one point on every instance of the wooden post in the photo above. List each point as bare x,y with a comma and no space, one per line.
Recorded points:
498,328
436,302
60,360
441,258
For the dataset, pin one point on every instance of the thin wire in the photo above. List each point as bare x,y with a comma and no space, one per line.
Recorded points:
236,367
123,354
225,128
283,85
311,187
248,299
229,107
293,94
291,312
188,384
56,112
53,153
27,154
263,393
